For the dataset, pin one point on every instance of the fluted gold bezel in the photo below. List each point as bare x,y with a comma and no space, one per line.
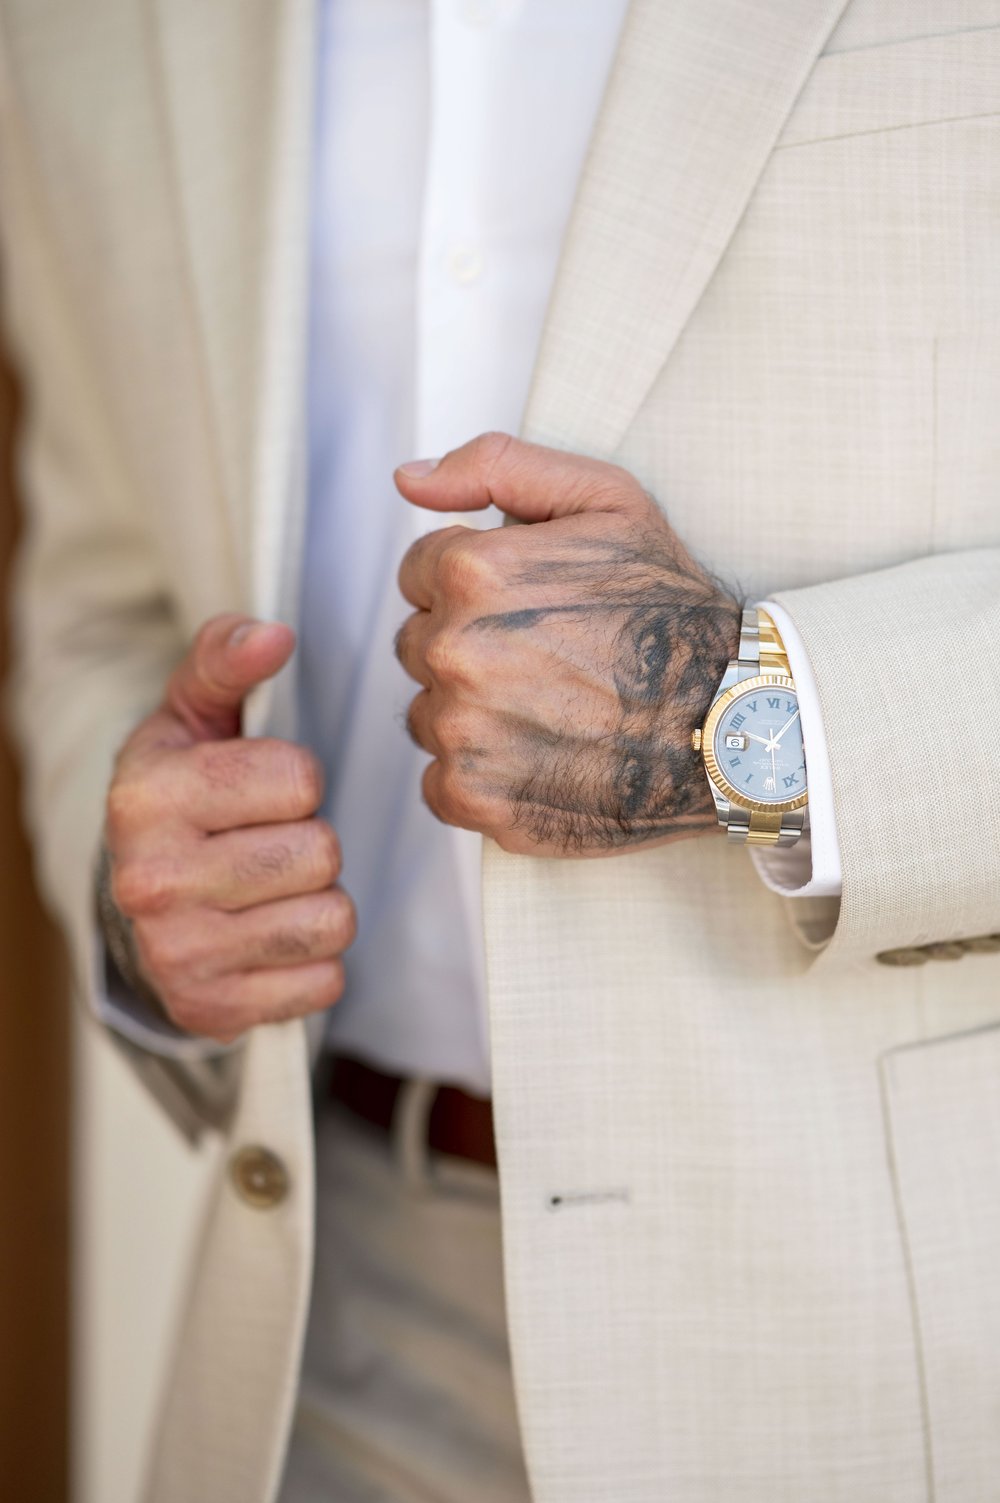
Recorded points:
717,713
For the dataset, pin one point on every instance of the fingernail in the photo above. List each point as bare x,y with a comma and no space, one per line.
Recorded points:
418,468
240,633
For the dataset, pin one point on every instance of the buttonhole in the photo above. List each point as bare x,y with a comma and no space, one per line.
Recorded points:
567,1200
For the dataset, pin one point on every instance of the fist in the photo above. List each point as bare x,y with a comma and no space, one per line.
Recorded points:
562,665
218,856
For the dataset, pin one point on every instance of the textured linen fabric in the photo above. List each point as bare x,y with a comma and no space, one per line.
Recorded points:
433,253
429,277
739,1257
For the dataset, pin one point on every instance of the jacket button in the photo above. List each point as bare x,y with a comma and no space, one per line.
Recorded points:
908,956
946,949
259,1177
982,944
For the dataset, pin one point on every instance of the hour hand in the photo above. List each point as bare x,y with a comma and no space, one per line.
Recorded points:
751,737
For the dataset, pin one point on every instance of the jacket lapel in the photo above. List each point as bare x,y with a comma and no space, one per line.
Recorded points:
696,99
236,87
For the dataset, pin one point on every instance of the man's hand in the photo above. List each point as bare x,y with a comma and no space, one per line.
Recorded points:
565,664
218,858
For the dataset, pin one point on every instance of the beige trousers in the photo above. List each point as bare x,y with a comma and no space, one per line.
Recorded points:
406,1392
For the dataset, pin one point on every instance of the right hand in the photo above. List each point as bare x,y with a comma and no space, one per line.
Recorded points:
218,858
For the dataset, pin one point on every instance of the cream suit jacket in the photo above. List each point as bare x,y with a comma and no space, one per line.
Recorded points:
750,1173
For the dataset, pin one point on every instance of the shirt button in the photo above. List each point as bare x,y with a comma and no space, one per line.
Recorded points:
909,956
465,264
259,1177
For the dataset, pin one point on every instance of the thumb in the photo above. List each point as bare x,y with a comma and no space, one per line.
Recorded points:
230,655
527,481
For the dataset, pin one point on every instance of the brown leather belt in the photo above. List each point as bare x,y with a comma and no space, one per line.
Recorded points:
458,1124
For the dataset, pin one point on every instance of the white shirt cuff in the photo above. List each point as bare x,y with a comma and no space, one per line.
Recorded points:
811,867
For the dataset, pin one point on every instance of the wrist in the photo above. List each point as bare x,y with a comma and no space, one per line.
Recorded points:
715,642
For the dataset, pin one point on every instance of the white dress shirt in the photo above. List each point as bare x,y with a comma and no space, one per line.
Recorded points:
450,137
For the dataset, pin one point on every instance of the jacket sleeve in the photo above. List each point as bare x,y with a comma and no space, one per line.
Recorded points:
907,668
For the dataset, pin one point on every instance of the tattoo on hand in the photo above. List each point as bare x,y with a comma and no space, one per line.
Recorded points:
665,630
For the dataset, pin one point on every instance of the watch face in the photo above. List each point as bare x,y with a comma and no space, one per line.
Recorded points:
758,745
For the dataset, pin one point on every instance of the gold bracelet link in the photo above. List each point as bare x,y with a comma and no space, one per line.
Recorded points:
773,657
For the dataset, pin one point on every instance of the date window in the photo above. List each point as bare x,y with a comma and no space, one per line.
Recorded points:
737,741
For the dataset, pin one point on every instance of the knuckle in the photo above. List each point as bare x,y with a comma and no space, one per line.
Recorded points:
330,926
198,1016
159,952
305,774
418,721
344,920
429,788
223,764
407,646
455,795
449,657
187,1012
601,495
142,888
323,991
326,853
448,796
618,480
466,569
403,643
511,843
271,859
330,988
125,806
489,449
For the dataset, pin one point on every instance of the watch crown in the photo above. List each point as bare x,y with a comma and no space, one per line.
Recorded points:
696,740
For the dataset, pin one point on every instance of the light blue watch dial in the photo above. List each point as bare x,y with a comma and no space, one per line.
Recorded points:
758,745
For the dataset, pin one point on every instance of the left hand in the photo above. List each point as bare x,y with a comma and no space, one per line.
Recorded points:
563,665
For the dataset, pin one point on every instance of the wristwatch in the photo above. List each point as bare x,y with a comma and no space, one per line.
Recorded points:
751,742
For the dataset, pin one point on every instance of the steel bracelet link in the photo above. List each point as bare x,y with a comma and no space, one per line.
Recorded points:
760,650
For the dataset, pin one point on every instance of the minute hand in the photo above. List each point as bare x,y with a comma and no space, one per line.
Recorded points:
776,740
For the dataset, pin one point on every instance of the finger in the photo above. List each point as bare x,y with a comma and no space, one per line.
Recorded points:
527,481
187,949
227,1006
225,785
230,656
447,803
418,571
231,871
292,931
411,642
242,868
420,724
